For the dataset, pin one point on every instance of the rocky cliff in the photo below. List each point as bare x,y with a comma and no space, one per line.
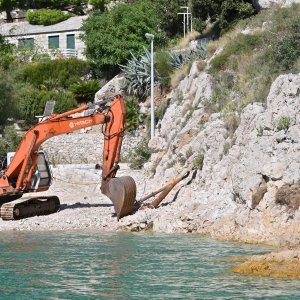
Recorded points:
245,186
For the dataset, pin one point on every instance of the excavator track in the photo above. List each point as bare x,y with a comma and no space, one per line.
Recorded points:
29,207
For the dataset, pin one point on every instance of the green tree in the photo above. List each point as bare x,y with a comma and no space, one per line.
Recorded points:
170,21
7,104
75,6
111,37
224,11
9,142
6,53
84,91
99,4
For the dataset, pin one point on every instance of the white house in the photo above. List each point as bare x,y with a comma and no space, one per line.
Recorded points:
63,36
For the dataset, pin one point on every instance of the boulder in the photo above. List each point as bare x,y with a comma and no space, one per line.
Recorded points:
111,88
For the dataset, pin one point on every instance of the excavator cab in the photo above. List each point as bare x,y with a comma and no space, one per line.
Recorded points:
42,177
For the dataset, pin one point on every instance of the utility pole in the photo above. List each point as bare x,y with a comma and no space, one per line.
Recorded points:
187,22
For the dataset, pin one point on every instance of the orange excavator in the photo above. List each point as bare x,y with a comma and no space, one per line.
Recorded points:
27,170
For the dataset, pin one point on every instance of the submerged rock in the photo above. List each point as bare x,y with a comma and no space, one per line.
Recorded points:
284,263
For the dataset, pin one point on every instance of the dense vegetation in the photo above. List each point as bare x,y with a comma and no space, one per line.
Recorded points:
47,16
244,71
224,13
115,40
111,37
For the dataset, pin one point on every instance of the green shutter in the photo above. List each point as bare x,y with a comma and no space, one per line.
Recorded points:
53,42
70,41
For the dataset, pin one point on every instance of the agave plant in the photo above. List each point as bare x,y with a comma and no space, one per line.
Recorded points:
138,75
179,58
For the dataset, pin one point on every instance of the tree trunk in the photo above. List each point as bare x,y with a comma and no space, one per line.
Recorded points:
9,18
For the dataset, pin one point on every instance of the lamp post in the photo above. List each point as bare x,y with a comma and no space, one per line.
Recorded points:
150,37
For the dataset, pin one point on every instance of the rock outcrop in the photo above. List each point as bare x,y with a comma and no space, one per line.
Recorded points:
260,4
233,193
279,263
111,88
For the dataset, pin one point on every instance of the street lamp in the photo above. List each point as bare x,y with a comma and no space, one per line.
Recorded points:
150,37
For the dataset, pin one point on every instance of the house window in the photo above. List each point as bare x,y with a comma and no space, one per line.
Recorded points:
26,42
53,42
70,41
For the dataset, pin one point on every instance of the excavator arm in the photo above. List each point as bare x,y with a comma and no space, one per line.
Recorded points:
110,112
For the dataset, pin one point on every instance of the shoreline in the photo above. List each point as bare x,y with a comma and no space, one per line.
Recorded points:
85,209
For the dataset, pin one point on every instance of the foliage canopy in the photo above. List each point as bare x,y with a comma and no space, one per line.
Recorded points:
59,73
226,12
7,103
111,37
46,16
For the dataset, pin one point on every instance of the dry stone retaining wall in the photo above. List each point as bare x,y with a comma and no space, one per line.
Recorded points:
79,147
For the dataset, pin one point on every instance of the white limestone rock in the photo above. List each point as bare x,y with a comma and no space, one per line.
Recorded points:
111,88
261,4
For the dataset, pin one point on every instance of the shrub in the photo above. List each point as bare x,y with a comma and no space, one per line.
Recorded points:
132,115
7,103
140,155
232,11
32,102
226,11
243,43
46,16
98,4
84,91
163,67
259,131
284,123
138,69
9,141
287,48
198,160
6,53
52,74
178,59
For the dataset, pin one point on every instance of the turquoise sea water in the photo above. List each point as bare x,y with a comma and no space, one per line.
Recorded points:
96,265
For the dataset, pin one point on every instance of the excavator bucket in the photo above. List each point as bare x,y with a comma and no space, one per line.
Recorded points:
122,192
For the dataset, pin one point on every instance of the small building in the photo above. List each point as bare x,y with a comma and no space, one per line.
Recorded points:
63,37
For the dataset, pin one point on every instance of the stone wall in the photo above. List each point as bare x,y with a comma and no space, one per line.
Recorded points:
83,147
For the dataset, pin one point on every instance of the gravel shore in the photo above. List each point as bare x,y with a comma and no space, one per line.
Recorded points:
82,204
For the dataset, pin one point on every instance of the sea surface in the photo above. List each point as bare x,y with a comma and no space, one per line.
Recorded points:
96,265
